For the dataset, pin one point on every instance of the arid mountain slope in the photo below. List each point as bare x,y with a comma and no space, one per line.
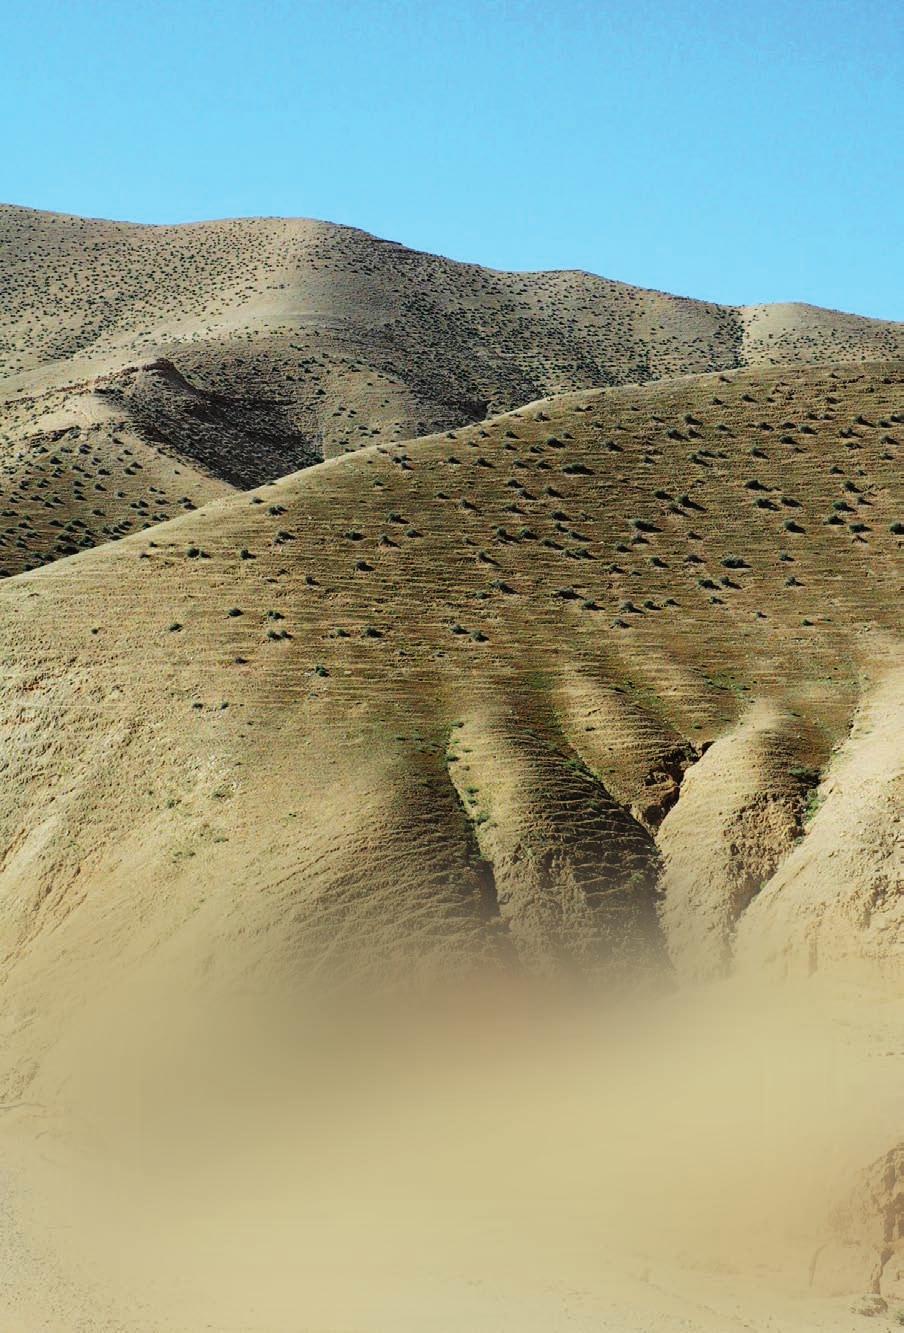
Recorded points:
472,694
247,349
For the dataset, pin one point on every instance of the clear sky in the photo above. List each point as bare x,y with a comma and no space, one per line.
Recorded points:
724,149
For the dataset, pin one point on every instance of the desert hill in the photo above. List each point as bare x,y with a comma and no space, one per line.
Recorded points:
242,350
612,675
607,684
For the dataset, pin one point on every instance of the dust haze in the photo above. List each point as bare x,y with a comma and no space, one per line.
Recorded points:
514,1156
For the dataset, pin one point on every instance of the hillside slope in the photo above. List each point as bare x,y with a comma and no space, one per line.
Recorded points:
486,693
247,349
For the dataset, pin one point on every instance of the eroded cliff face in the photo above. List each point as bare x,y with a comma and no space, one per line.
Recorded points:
865,1253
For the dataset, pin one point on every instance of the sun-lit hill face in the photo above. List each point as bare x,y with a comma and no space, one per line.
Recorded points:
244,350
98,295
789,333
482,692
463,339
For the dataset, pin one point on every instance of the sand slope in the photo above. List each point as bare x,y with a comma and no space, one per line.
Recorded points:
440,697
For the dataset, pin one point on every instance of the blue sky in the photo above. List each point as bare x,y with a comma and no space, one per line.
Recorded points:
739,151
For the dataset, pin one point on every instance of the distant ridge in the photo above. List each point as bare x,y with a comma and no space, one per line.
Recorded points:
183,361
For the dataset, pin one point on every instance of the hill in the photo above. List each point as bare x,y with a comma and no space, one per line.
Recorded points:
613,674
608,687
146,369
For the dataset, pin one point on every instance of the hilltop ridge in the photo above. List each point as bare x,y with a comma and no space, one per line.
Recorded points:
147,369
